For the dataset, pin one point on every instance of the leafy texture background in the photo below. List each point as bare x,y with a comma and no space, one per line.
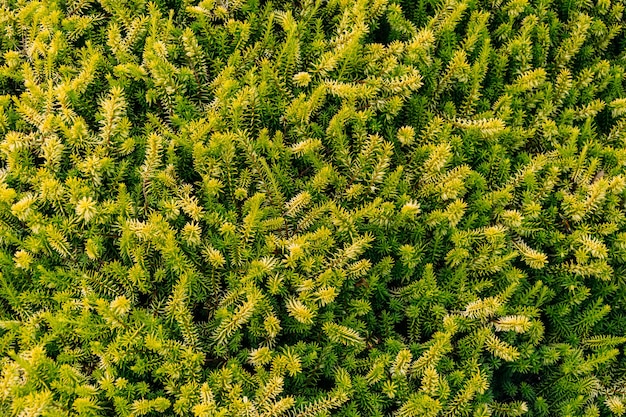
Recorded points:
312,208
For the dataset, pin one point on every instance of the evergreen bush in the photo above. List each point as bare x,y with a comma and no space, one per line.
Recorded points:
312,208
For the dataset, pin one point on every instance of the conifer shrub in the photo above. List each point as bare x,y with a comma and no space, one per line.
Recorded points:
353,208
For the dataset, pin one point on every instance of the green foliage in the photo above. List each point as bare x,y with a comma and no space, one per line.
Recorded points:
351,208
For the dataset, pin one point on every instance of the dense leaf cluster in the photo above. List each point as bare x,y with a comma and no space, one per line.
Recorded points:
345,207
